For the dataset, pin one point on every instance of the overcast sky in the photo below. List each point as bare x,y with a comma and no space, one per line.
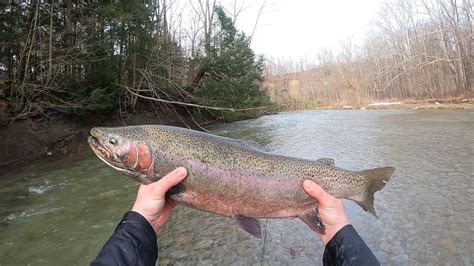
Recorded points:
299,28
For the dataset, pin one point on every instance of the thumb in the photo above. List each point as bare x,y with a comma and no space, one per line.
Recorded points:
317,192
170,180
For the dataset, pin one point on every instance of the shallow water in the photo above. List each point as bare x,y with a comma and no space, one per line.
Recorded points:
63,212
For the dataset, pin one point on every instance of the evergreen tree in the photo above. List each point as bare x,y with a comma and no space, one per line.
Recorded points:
235,73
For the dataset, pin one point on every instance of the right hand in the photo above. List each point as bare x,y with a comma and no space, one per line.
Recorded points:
152,202
330,209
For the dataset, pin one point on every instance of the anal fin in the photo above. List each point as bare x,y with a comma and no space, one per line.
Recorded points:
312,219
249,225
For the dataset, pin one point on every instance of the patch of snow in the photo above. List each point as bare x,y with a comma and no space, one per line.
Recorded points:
384,103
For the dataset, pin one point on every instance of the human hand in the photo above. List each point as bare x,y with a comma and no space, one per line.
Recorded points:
151,201
330,209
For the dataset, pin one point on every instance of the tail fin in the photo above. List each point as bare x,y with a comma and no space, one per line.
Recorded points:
378,178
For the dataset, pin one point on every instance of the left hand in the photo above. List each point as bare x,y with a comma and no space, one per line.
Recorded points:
151,200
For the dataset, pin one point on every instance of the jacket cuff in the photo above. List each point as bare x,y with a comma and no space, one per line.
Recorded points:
347,247
341,235
139,230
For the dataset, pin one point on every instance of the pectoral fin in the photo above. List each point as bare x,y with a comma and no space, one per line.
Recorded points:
249,225
312,219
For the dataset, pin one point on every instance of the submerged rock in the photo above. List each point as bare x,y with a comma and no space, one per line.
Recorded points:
390,247
449,245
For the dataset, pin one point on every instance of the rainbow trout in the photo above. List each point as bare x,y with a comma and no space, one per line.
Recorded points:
231,177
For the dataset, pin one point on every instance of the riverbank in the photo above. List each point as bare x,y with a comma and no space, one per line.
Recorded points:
28,141
449,103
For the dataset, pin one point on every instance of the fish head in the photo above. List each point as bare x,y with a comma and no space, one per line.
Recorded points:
122,150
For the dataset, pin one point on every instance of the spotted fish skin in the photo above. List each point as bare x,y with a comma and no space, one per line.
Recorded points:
229,177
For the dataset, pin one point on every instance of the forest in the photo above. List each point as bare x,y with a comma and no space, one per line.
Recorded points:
75,58
414,50
72,58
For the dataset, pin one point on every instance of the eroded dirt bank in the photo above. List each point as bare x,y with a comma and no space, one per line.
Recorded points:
28,141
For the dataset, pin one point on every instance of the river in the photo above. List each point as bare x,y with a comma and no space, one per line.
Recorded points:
62,213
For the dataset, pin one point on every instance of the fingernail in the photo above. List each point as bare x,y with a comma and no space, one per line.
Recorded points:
181,171
310,186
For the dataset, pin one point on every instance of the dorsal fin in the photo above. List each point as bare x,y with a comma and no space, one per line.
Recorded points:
327,161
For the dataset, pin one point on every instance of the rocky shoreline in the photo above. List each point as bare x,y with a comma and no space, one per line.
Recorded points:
458,103
451,103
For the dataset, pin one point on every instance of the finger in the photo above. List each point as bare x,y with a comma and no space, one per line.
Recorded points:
317,192
170,180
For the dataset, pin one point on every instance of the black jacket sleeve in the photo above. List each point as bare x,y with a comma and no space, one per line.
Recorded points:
133,243
348,248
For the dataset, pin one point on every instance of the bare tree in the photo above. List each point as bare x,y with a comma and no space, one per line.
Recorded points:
416,49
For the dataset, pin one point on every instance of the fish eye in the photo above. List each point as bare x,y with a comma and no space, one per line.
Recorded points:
112,141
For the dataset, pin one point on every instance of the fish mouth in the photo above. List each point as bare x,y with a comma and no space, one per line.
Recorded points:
104,154
99,149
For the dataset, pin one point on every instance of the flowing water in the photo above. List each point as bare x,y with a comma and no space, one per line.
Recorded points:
62,213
